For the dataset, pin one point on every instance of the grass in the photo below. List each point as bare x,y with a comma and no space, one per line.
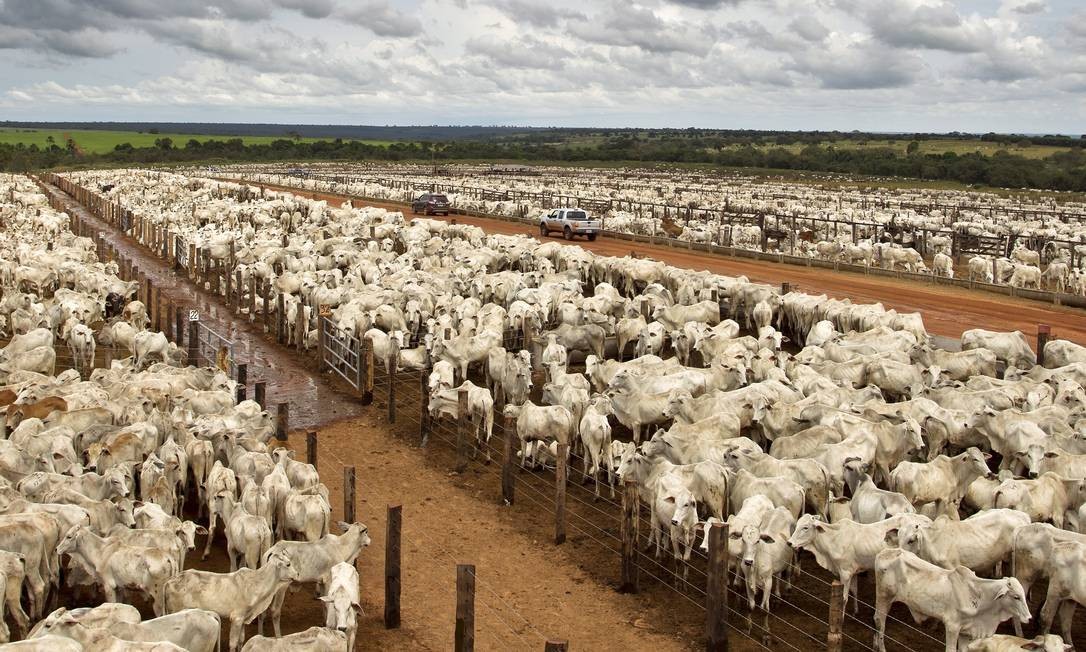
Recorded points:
98,142
937,146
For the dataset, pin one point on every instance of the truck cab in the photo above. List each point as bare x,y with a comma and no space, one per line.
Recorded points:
570,222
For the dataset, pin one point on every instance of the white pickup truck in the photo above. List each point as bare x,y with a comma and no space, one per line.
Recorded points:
571,222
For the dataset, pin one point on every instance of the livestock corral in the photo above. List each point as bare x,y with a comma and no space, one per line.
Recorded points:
1011,244
794,470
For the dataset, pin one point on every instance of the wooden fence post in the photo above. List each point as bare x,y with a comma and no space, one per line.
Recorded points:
630,512
282,421
560,472
556,645
252,298
311,448
1044,331
280,319
464,636
394,360
194,343
267,306
509,459
463,416
837,616
424,411
348,494
392,566
785,288
716,589
367,366
258,394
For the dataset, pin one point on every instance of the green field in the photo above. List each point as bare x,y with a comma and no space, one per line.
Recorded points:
935,146
98,142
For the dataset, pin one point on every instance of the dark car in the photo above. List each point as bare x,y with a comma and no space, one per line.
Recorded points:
431,204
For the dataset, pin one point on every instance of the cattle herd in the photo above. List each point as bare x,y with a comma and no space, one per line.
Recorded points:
97,465
812,426
1023,242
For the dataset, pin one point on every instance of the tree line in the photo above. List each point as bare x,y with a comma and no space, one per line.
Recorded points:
1064,170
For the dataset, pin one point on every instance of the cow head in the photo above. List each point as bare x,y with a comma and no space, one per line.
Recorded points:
685,515
753,540
807,528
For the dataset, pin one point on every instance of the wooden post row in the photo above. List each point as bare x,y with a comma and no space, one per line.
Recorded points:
258,394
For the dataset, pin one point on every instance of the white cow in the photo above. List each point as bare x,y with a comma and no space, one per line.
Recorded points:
342,605
966,604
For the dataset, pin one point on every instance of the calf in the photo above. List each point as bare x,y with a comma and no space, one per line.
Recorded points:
845,549
313,561
247,535
342,606
540,423
766,554
237,597
314,638
118,565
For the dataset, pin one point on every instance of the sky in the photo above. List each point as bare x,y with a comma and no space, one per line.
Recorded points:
874,65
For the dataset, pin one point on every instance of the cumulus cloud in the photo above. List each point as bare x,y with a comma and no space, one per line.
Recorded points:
559,60
535,14
381,18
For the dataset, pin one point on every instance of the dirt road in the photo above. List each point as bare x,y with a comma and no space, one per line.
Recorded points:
947,310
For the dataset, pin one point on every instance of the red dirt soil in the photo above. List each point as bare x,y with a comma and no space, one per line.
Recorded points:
947,310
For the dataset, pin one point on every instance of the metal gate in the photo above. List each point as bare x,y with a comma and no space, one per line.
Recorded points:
341,354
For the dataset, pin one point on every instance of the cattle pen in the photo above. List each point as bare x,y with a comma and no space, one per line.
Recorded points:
607,529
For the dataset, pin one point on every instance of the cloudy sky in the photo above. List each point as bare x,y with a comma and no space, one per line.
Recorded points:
884,65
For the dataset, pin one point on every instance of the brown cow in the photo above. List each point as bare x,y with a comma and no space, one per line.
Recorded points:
39,409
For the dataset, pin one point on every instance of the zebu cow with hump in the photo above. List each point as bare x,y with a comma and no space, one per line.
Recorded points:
966,604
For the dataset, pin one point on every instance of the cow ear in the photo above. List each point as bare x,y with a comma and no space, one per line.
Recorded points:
670,499
325,598
890,538
1051,454
765,538
201,529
